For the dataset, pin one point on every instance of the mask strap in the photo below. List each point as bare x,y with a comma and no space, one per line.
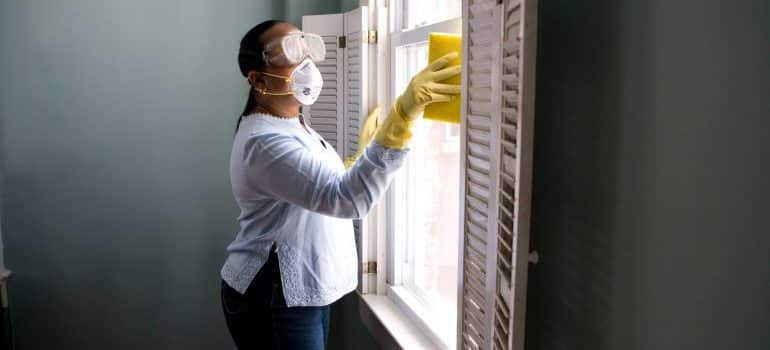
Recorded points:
276,76
282,77
265,92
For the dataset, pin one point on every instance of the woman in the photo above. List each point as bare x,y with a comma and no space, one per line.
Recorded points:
295,252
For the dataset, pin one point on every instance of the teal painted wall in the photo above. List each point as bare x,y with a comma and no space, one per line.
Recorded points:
347,5
295,9
2,191
116,120
2,187
651,187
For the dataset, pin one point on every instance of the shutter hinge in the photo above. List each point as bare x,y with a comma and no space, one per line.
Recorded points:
369,267
371,37
341,42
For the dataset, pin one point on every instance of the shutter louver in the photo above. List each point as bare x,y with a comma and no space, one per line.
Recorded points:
498,129
479,127
323,114
507,180
353,91
516,127
326,114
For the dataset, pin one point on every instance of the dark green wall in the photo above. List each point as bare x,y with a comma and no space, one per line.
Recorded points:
116,123
347,5
651,177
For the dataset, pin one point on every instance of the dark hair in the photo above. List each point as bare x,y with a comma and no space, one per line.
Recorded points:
250,58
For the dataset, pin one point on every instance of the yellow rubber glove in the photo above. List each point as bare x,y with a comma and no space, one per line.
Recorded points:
365,136
424,89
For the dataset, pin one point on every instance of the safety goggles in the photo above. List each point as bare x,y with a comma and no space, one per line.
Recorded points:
295,47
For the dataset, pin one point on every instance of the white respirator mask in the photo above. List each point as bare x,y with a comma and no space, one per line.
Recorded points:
305,82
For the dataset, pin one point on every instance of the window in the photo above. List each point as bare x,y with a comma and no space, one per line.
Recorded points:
414,14
416,238
424,198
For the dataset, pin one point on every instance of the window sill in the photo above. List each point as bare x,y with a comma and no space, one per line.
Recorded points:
390,326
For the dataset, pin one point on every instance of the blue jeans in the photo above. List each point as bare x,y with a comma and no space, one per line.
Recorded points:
259,318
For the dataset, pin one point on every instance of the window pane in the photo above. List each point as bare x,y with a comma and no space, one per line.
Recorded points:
430,190
410,59
418,13
433,229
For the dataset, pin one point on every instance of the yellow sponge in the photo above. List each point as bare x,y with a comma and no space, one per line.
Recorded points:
439,45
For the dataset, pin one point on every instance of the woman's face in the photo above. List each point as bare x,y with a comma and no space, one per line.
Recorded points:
272,84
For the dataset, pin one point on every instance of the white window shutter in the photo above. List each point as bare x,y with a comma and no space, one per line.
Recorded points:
326,115
356,108
480,131
340,110
497,127
515,181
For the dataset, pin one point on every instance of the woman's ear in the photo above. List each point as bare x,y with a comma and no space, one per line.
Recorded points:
254,80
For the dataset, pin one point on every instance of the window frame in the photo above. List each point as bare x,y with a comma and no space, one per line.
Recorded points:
394,288
402,328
